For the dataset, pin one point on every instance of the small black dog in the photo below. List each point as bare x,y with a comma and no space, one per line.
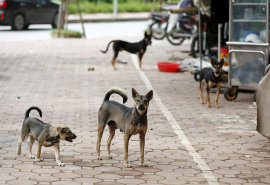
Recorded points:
212,77
135,48
131,121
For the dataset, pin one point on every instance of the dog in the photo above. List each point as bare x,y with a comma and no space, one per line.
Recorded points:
45,134
212,77
131,121
138,48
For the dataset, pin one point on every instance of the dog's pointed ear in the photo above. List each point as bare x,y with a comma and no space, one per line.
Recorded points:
221,62
213,62
145,34
134,93
61,129
149,95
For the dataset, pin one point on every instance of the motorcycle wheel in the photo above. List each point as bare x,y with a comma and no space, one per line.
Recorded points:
158,30
176,41
195,49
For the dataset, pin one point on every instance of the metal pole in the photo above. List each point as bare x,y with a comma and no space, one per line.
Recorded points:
81,20
115,7
200,33
59,19
219,40
267,32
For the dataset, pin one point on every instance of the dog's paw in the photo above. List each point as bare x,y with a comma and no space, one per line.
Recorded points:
18,152
99,158
208,105
202,102
110,156
60,164
144,165
127,165
217,106
141,69
32,156
38,160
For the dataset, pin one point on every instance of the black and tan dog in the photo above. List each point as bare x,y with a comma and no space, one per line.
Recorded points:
45,134
212,78
138,48
130,120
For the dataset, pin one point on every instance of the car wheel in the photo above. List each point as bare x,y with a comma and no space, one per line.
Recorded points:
18,22
55,21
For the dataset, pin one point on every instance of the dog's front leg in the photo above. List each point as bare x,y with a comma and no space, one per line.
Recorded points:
218,88
39,145
126,141
142,143
140,55
57,155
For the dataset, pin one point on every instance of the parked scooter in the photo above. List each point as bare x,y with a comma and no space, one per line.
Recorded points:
158,24
175,27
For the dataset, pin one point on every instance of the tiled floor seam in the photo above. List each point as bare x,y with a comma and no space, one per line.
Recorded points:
208,175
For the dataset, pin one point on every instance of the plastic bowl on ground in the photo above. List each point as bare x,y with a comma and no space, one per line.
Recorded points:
168,66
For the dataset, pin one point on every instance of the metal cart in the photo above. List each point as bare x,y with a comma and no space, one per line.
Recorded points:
248,45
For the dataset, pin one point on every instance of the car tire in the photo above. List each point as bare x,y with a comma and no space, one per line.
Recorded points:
18,22
55,21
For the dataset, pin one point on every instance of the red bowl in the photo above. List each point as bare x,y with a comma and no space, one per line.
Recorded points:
168,66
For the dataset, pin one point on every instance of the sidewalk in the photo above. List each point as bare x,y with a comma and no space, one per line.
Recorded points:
108,17
186,142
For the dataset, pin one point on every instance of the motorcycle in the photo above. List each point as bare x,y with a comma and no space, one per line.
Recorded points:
158,24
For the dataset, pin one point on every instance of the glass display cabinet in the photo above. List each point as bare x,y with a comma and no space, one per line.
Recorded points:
248,44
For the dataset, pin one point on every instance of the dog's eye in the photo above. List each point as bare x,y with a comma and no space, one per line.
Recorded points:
137,101
145,101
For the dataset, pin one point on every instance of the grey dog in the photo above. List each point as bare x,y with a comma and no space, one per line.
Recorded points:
45,134
130,120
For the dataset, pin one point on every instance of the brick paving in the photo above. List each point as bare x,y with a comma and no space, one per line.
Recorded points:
53,75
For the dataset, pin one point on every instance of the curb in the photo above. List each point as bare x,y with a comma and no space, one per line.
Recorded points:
107,20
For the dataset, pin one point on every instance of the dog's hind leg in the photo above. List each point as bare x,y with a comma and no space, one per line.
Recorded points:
201,89
32,140
112,132
114,59
100,133
20,140
218,88
39,145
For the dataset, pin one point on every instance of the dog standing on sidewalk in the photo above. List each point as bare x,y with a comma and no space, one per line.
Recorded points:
138,48
212,78
131,121
45,134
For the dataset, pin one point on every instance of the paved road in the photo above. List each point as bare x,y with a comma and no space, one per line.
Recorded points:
186,143
93,30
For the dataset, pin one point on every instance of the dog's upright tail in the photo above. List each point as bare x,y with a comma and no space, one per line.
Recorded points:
107,47
116,90
33,108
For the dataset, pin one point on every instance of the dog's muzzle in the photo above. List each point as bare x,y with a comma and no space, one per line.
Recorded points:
70,139
141,107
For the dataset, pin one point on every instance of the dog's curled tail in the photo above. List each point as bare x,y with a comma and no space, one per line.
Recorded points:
107,47
33,108
116,90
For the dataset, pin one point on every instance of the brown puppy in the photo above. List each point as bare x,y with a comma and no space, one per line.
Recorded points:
131,121
45,134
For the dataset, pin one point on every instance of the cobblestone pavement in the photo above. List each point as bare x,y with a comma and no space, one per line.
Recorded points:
53,75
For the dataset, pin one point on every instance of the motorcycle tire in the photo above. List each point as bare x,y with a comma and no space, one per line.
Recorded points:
162,26
195,50
174,41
